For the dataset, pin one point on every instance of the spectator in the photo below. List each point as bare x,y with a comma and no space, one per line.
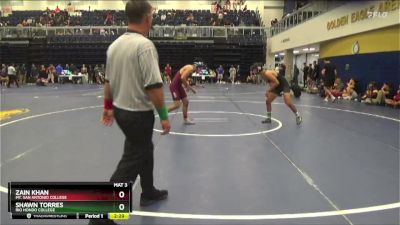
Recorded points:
91,74
252,78
168,73
382,94
51,70
22,74
101,74
109,19
305,74
350,93
96,70
338,87
74,69
296,72
238,74
57,10
34,71
370,93
12,76
190,19
329,72
59,69
310,72
220,77
316,71
232,74
84,72
3,75
227,5
212,75
163,17
42,72
396,99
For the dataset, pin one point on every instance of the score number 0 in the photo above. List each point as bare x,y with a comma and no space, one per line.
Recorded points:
121,194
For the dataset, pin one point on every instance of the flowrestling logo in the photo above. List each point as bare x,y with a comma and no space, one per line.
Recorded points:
377,14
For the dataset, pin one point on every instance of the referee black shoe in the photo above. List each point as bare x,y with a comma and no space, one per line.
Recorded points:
147,199
267,120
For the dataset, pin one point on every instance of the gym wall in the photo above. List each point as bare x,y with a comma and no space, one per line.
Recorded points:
368,56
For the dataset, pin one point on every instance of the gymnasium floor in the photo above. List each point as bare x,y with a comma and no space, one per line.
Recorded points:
228,168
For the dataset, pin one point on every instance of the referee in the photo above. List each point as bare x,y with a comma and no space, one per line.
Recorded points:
133,87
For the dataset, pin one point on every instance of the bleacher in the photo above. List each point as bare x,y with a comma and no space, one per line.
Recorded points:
179,35
98,18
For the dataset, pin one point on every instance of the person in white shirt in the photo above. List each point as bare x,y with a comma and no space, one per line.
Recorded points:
12,76
133,88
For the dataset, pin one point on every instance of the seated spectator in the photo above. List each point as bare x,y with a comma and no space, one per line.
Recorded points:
383,93
227,5
370,93
395,101
349,93
312,87
73,69
190,18
42,78
109,19
57,10
212,75
338,87
163,17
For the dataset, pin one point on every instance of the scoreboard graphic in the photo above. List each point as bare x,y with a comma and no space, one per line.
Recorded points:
70,200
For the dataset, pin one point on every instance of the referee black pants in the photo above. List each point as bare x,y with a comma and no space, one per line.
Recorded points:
138,157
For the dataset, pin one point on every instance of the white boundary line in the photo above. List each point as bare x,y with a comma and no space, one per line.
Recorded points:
268,217
225,135
307,106
241,217
22,154
47,114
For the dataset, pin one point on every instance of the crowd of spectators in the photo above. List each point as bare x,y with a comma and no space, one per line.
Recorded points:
45,74
94,74
56,17
375,94
217,74
231,13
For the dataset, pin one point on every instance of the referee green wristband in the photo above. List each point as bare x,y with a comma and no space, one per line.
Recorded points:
163,113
